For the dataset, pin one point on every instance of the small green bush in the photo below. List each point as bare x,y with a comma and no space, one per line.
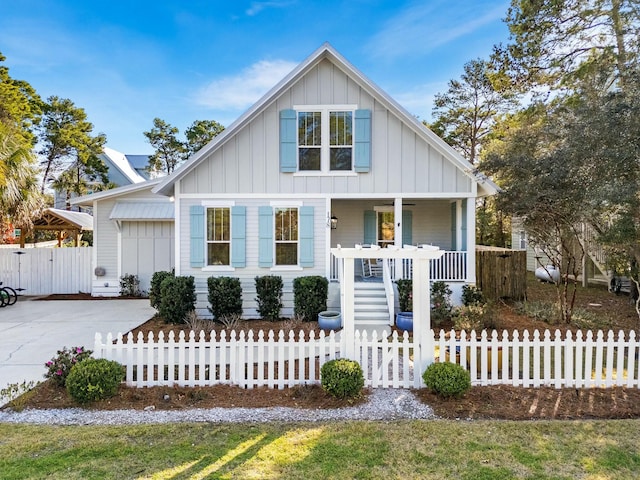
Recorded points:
94,379
310,296
155,296
58,367
130,286
447,379
342,378
441,305
225,297
472,296
177,298
405,294
269,291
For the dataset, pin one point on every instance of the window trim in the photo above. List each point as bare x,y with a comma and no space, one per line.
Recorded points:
288,205
217,268
325,146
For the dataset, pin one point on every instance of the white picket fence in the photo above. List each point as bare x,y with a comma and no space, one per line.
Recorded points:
272,360
44,271
279,361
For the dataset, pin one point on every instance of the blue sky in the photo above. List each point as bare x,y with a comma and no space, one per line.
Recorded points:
126,62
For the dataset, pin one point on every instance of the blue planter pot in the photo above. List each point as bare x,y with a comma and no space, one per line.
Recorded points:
330,320
404,321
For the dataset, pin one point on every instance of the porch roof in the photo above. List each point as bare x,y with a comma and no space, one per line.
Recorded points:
131,211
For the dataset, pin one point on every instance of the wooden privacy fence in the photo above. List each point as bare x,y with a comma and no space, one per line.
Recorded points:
249,361
44,271
501,273
277,361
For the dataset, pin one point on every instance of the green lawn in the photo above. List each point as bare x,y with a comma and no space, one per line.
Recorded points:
417,449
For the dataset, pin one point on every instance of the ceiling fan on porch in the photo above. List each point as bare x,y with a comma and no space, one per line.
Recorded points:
404,204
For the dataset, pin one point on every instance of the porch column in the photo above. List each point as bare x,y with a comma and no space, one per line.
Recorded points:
327,239
396,264
397,217
471,240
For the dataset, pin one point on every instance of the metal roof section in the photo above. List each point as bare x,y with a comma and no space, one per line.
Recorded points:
56,219
88,200
327,51
120,161
132,211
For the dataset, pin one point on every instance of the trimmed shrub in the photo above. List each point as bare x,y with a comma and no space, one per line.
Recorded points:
130,286
155,296
177,298
405,294
447,379
310,296
472,296
342,378
94,379
441,305
58,367
225,296
269,291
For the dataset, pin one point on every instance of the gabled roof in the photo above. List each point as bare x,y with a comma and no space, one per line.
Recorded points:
326,51
121,162
114,192
56,219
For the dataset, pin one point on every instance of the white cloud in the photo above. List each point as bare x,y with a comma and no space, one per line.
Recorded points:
242,90
257,7
426,26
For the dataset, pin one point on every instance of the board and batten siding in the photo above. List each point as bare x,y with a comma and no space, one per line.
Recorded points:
402,161
247,274
105,238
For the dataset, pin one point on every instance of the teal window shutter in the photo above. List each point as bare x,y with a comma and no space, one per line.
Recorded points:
453,226
370,227
407,226
306,236
288,141
463,226
238,236
265,236
196,213
362,147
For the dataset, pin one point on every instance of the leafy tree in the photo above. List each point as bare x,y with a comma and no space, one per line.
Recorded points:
19,104
169,151
20,197
68,145
201,132
555,42
465,113
543,186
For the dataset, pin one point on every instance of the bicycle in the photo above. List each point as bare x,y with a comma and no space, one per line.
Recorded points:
8,296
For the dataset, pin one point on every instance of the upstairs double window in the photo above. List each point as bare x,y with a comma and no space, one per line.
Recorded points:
325,140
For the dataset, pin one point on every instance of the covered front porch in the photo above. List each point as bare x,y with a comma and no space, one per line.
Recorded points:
446,223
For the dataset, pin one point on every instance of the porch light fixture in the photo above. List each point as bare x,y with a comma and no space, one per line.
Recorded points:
332,221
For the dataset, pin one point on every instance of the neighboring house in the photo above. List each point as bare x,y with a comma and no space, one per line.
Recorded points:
324,158
122,170
594,263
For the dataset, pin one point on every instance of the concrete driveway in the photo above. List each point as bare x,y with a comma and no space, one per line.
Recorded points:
32,330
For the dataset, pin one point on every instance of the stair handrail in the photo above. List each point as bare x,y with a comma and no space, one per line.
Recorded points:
388,288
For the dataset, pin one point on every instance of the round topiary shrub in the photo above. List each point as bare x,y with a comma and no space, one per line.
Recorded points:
94,379
447,379
342,378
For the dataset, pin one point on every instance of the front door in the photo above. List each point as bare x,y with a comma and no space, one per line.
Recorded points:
385,228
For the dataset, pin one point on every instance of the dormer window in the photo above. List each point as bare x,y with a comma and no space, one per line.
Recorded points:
325,139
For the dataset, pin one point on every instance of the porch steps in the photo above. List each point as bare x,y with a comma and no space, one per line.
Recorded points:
371,311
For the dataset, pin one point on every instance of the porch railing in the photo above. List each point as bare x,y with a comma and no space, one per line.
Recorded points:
451,267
